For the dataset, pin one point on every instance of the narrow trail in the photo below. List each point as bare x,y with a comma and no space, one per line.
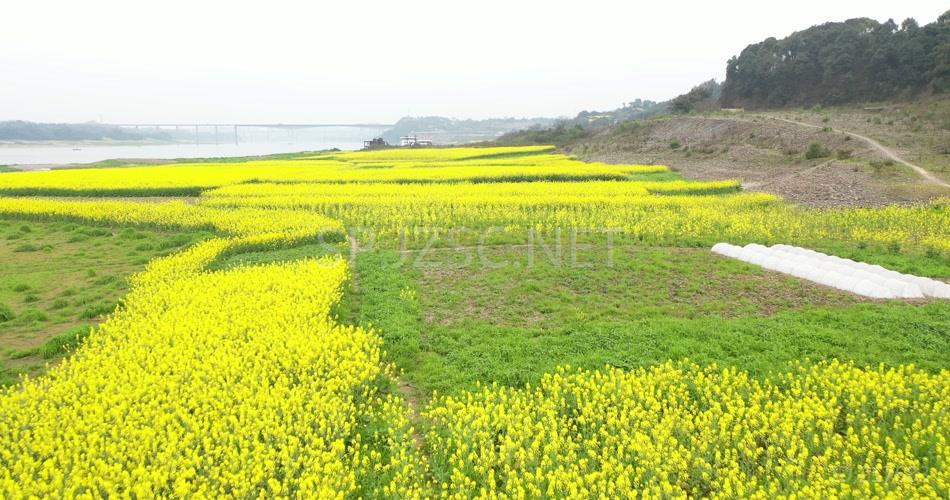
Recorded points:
410,394
413,397
888,152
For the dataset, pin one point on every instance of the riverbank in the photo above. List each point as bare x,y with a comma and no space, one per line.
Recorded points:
112,154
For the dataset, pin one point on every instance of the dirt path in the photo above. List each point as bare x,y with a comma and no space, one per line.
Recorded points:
880,147
413,398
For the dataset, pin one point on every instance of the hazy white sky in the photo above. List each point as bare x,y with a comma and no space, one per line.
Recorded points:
361,61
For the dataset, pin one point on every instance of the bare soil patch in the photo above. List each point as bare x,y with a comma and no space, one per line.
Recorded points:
768,155
643,282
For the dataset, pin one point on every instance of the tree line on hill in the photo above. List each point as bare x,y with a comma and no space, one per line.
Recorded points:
857,60
19,130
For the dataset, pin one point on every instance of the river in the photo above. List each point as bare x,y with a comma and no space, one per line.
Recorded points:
85,153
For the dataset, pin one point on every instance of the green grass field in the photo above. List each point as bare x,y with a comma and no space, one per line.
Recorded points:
58,278
451,320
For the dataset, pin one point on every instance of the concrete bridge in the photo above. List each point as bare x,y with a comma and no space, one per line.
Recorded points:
255,125
376,127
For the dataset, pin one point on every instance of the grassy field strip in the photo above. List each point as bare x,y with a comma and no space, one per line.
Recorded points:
58,278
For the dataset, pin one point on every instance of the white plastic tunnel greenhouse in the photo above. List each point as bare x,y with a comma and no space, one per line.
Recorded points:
864,279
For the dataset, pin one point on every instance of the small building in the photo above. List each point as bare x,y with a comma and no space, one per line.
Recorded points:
375,143
413,141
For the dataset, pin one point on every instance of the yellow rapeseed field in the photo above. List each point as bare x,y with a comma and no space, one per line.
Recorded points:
190,179
244,383
177,395
672,213
683,431
173,214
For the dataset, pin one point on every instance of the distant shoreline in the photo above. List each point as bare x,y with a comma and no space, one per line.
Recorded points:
101,142
120,162
114,153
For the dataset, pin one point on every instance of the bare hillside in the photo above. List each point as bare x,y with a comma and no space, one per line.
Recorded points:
768,154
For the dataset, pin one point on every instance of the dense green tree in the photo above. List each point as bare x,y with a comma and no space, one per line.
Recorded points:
833,63
699,97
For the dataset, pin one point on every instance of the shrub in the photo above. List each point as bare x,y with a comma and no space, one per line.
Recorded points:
22,353
816,150
843,154
105,280
6,314
96,310
33,315
174,242
95,232
65,342
675,144
879,165
21,287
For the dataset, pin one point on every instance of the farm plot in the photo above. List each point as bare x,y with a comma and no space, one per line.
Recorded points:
454,319
475,322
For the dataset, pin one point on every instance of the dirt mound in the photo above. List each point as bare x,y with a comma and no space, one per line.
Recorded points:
705,134
768,154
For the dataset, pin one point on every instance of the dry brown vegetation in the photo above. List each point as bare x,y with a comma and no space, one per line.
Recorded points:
769,154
